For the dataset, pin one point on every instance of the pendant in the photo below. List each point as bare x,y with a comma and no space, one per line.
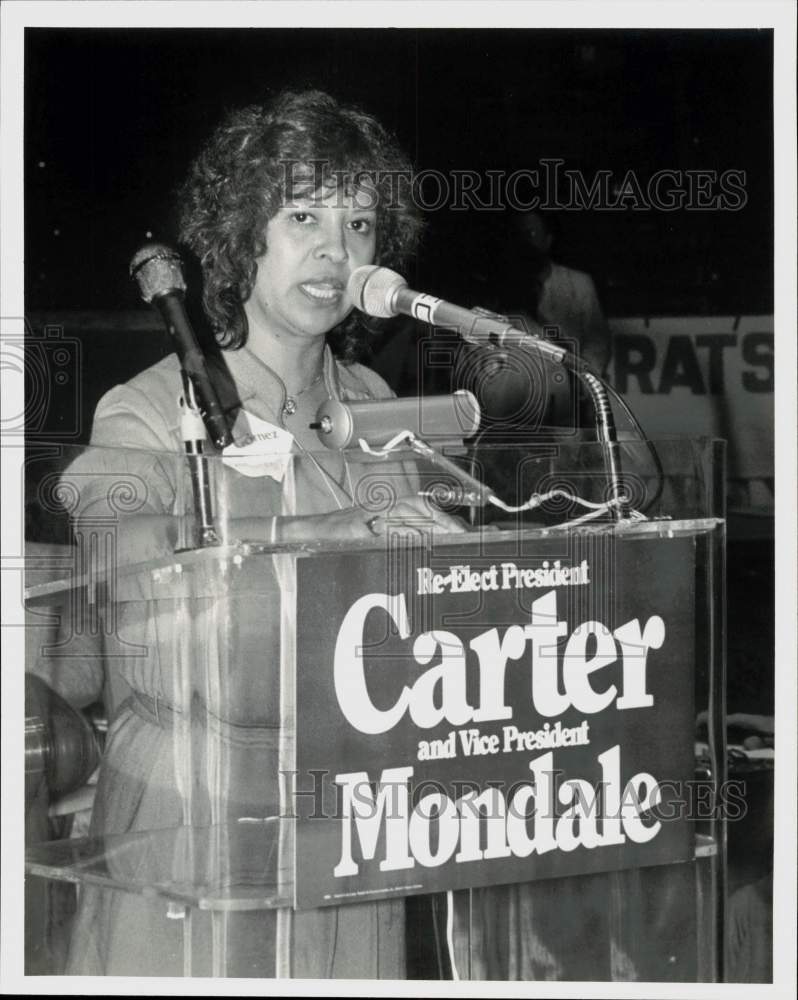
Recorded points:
289,407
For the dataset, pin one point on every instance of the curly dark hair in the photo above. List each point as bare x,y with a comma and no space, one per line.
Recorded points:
264,154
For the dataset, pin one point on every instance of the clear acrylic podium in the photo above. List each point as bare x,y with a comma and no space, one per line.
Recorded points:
203,658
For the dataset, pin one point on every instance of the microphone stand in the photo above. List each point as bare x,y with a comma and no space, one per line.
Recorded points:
605,429
194,434
495,334
379,291
157,270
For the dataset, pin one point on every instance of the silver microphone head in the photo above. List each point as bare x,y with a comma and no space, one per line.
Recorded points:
158,270
372,290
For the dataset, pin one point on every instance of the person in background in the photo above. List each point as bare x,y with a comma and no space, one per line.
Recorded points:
558,295
511,274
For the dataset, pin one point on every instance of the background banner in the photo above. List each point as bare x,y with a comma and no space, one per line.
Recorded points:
470,715
701,376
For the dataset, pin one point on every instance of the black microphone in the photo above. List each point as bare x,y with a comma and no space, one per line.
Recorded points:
378,291
159,273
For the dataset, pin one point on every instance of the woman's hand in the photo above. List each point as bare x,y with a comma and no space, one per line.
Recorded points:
155,536
411,517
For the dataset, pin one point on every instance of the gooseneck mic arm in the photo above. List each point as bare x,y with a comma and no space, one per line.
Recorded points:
158,271
378,291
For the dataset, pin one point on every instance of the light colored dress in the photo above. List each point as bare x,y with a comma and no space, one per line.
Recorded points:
146,782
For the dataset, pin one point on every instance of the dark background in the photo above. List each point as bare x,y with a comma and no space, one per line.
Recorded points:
114,116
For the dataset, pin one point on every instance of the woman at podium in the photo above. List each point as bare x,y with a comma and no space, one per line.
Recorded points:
282,204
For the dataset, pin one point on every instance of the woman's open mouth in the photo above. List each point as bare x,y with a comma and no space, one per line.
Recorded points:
324,292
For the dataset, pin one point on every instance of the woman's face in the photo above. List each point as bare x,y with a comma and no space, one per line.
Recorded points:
314,242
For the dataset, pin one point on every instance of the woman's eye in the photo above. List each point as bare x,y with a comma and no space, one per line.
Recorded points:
302,217
361,225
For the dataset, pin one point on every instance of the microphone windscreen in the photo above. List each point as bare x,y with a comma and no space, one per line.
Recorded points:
158,270
372,288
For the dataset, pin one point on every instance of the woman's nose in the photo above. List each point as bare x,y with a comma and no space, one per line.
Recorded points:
333,244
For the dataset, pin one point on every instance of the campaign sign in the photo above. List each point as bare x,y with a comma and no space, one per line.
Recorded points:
707,376
483,714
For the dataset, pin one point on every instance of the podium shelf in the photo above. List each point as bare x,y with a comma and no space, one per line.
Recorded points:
226,867
212,567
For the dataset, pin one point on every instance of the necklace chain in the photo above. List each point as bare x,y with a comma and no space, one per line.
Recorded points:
289,406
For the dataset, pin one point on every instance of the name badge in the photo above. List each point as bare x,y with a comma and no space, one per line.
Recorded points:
262,449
